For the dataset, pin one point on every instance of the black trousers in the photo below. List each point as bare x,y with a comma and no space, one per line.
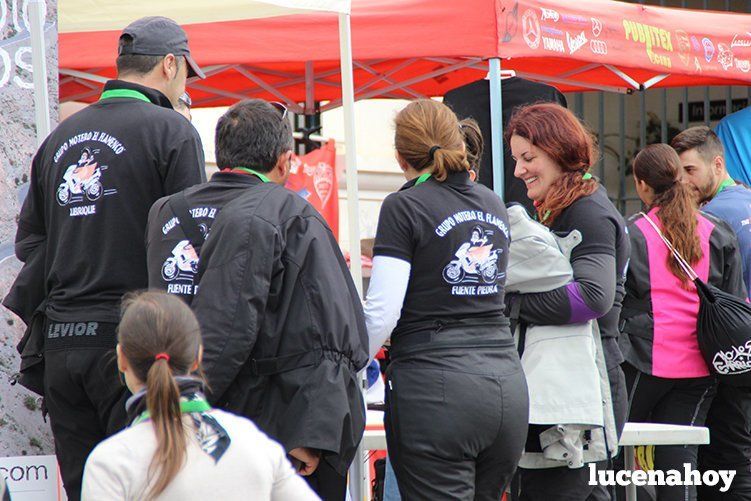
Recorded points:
328,483
740,489
670,401
456,419
568,484
86,404
729,423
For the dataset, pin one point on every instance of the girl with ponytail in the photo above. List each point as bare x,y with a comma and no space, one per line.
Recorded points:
436,289
554,153
666,375
177,447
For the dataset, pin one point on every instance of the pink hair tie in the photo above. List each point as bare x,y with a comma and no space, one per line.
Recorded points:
162,356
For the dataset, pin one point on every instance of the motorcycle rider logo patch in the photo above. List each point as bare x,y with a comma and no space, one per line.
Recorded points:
474,269
82,184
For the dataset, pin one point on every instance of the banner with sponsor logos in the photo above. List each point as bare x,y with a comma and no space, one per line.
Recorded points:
683,43
313,177
423,45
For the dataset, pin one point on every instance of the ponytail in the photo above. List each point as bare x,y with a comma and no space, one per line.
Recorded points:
658,165
428,136
447,161
679,225
163,404
160,337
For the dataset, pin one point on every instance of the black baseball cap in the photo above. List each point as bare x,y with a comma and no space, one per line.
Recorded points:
159,36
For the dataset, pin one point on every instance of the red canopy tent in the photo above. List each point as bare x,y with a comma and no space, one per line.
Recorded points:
416,48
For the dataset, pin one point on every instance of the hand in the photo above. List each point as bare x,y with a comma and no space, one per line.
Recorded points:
309,459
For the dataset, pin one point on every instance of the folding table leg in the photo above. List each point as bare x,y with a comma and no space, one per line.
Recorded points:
630,465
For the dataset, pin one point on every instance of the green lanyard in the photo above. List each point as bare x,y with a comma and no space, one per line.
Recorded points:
725,184
423,178
254,173
133,94
186,407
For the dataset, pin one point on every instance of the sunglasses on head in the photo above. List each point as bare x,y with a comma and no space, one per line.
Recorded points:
279,106
186,100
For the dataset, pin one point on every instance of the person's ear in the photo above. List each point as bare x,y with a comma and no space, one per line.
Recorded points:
199,357
719,164
169,66
472,175
400,160
122,362
283,164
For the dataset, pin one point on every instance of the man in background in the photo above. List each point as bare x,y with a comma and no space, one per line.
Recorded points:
729,419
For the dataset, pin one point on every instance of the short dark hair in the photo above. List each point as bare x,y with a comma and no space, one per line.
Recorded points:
702,139
252,134
137,64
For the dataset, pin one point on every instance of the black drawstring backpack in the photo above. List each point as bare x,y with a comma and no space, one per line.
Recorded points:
723,326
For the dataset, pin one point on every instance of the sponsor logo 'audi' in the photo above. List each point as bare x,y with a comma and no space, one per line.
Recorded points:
550,14
598,47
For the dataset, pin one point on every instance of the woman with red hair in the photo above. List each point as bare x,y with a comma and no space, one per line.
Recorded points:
553,153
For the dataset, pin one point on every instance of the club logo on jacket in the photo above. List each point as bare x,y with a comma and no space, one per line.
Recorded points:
474,270
181,268
82,184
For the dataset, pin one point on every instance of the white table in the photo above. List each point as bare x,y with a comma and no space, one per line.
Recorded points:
633,434
657,434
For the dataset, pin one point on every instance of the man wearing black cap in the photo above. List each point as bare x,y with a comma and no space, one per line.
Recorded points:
93,181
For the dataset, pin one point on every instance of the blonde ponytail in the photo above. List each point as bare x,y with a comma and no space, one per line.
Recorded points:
428,136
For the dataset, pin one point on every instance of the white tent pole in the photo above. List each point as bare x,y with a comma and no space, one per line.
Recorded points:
358,480
496,125
39,66
348,98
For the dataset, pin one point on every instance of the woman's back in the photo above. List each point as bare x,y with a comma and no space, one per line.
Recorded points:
660,312
252,467
455,235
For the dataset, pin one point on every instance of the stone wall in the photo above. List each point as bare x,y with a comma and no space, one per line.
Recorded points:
22,430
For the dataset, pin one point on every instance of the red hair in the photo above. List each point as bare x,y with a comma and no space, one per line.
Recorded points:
557,132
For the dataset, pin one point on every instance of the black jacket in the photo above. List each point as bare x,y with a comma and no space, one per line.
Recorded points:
647,293
283,327
92,183
172,261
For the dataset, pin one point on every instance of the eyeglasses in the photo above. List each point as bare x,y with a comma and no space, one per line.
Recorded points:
279,106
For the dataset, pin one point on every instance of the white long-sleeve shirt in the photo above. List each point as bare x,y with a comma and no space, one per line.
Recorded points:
383,306
253,467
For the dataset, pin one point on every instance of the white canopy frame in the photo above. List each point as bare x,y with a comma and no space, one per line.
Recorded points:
81,19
